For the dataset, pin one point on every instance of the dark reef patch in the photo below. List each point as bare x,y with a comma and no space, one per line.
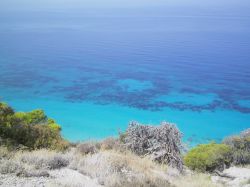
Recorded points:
108,91
127,87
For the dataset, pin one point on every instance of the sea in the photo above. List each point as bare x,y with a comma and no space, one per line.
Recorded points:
95,66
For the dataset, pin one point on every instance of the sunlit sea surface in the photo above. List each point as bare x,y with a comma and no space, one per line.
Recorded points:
96,71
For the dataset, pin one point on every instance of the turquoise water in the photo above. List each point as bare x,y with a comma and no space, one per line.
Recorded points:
96,68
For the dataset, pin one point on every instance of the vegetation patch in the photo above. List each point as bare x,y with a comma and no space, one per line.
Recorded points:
162,143
43,159
209,157
33,130
240,145
116,169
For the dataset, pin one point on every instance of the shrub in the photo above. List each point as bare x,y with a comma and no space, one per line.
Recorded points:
53,125
57,162
240,145
42,136
88,148
7,120
162,143
32,129
33,117
208,157
122,136
5,111
110,143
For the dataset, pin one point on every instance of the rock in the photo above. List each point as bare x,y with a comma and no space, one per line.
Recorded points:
69,177
58,178
239,177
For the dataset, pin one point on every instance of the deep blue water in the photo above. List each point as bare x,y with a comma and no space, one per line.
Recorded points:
95,69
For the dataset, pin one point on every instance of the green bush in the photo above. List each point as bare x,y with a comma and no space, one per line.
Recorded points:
240,145
33,117
7,121
53,125
32,129
208,157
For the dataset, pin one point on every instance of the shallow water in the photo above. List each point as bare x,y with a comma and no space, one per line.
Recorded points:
94,71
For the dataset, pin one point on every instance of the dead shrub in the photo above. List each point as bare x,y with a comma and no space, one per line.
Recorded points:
162,143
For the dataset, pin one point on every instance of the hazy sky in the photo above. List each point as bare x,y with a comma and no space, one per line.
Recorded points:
114,7
66,4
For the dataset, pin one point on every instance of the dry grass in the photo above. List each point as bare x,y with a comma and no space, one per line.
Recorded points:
112,144
5,153
33,173
43,159
195,180
8,166
246,182
109,167
88,148
108,144
121,169
92,147
31,164
244,166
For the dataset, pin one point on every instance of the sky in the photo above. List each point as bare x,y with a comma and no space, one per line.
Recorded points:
21,11
233,7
